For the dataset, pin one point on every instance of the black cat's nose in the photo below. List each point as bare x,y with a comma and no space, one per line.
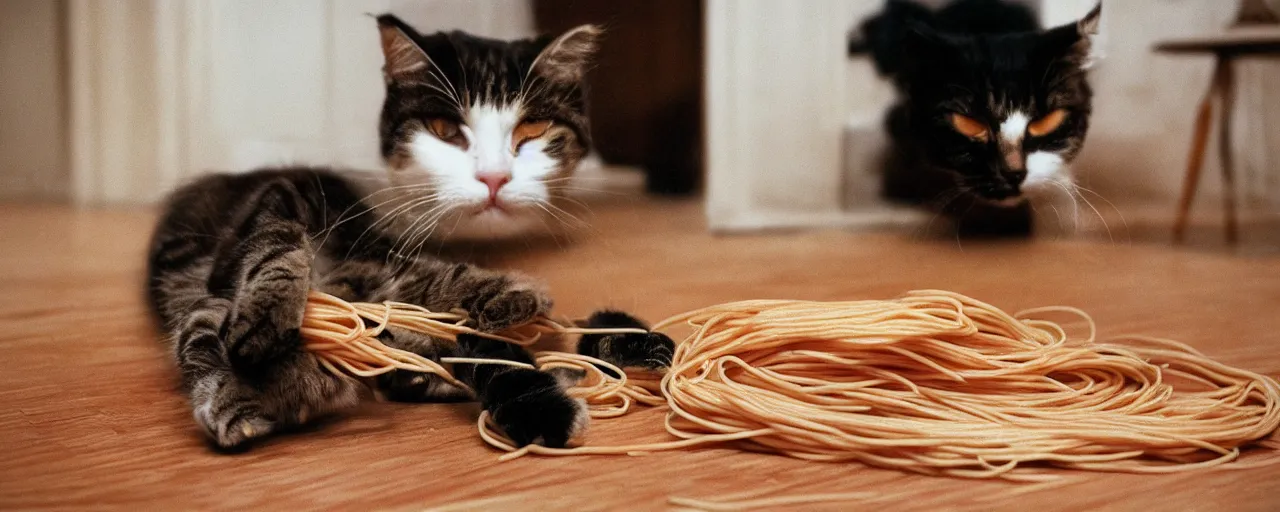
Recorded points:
1015,178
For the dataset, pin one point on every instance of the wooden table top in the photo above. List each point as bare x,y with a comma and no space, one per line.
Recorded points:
90,417
1245,39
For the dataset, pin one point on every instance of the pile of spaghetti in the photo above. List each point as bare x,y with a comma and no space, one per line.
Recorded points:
932,382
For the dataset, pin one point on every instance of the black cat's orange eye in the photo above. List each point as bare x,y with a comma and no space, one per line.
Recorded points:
447,131
970,127
1047,124
526,132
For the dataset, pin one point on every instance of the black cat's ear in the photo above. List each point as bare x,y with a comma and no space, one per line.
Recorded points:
565,58
403,58
1089,28
925,50
1077,43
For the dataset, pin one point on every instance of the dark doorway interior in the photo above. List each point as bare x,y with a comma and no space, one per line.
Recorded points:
646,90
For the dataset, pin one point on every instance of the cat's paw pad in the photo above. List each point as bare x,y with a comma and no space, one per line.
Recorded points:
514,306
532,408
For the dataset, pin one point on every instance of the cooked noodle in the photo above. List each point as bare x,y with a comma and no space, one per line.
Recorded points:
932,382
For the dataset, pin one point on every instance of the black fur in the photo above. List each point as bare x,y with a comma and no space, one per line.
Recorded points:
650,351
985,59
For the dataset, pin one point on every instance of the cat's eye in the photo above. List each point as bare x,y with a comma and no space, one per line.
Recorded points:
970,127
527,131
1047,124
447,131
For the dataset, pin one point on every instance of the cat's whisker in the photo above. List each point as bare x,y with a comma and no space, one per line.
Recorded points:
1123,221
581,223
550,213
585,208
390,217
1075,206
402,242
1089,203
456,223
416,251
445,94
952,195
550,230
342,219
1058,216
569,189
960,222
436,72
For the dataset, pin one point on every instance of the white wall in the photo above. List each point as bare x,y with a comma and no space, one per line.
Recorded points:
33,144
163,90
1145,106
779,90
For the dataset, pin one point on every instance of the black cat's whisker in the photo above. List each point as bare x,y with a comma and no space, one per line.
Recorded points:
960,222
1123,221
1106,226
1075,206
952,195
1057,216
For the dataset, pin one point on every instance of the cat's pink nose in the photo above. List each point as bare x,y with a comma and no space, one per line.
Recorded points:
494,180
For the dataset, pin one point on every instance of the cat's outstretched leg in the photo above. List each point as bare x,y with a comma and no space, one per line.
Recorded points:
239,349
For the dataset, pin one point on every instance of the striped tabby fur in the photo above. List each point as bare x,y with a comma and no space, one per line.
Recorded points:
234,256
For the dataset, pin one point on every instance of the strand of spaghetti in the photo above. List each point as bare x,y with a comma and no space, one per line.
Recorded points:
778,501
932,382
481,360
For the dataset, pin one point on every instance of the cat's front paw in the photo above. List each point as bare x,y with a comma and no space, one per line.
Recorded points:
650,350
260,333
234,410
531,407
518,303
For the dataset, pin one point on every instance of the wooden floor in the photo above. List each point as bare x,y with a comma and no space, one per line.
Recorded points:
89,416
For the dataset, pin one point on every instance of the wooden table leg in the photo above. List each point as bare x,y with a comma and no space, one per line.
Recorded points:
1195,161
1227,91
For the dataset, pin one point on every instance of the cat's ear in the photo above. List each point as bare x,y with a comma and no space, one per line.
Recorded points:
403,58
1089,28
1078,43
925,50
565,58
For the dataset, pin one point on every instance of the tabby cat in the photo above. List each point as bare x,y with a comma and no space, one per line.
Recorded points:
476,133
989,107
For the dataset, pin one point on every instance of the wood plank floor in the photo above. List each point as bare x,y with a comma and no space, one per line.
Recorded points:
89,415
